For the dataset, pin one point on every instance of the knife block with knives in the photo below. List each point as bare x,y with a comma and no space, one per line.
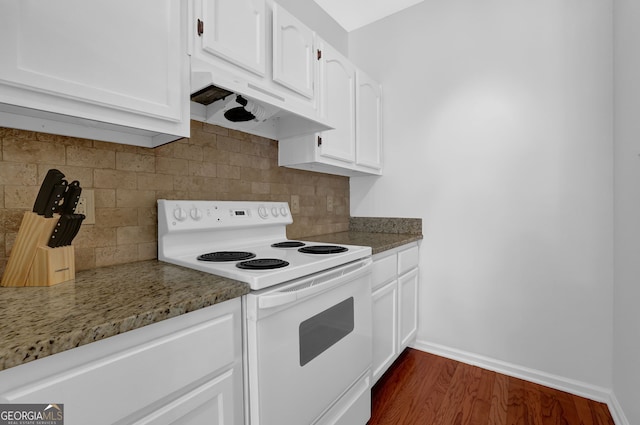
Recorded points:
42,254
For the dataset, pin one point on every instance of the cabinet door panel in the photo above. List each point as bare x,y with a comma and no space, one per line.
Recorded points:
339,106
408,307
384,326
368,122
138,376
293,61
235,30
209,404
95,52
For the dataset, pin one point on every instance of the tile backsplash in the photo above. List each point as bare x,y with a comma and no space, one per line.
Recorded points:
214,163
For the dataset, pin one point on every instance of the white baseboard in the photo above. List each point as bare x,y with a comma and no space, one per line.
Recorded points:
582,389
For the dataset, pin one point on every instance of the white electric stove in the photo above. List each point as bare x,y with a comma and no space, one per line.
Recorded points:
245,241
307,320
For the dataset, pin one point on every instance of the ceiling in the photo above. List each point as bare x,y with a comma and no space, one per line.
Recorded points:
353,14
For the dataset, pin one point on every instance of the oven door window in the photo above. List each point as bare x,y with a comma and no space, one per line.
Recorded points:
320,332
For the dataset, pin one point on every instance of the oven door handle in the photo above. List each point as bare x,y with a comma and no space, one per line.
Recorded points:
314,285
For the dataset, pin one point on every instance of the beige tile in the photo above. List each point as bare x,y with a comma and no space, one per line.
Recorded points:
180,151
240,160
128,161
211,128
148,216
32,151
136,234
105,198
202,138
85,258
228,171
147,181
147,251
204,169
12,173
21,197
260,188
114,179
215,156
135,198
116,217
63,140
239,135
99,158
229,144
239,187
91,236
174,166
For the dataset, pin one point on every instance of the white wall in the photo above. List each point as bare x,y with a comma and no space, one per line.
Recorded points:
626,361
498,134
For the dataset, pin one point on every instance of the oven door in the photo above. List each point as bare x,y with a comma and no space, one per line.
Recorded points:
309,349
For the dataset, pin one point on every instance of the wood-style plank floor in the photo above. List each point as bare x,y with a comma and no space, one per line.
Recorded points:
424,389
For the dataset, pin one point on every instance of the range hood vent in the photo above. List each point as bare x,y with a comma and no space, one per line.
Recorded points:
209,94
243,106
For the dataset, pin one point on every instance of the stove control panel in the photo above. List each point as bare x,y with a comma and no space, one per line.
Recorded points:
176,215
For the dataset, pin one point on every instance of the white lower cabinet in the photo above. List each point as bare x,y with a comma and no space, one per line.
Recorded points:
185,370
395,304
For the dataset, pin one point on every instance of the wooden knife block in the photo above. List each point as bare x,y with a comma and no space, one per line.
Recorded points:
32,262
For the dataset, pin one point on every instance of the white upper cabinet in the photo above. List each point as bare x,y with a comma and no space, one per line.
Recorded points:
235,31
256,49
350,102
368,122
293,53
338,105
115,71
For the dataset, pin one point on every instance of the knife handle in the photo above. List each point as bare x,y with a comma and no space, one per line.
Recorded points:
54,199
52,178
71,198
56,236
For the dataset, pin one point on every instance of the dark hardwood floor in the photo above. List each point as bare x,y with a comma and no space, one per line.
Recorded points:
422,388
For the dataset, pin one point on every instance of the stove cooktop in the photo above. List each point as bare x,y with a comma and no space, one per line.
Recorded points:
245,241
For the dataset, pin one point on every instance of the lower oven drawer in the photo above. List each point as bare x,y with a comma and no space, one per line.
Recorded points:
307,354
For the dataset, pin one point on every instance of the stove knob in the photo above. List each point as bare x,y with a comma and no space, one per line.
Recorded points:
274,211
180,214
283,211
195,214
262,212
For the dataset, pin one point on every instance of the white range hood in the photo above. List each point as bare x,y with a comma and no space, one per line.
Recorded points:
214,95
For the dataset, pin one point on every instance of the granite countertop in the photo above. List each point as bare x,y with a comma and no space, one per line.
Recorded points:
380,233
378,242
39,321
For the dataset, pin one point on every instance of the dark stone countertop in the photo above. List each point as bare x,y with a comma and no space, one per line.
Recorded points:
378,242
39,321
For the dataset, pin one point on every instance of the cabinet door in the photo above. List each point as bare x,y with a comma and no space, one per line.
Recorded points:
368,122
293,53
235,30
407,307
338,105
123,55
384,327
155,372
210,404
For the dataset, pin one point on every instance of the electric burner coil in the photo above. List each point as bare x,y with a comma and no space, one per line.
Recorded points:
262,264
220,256
323,249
